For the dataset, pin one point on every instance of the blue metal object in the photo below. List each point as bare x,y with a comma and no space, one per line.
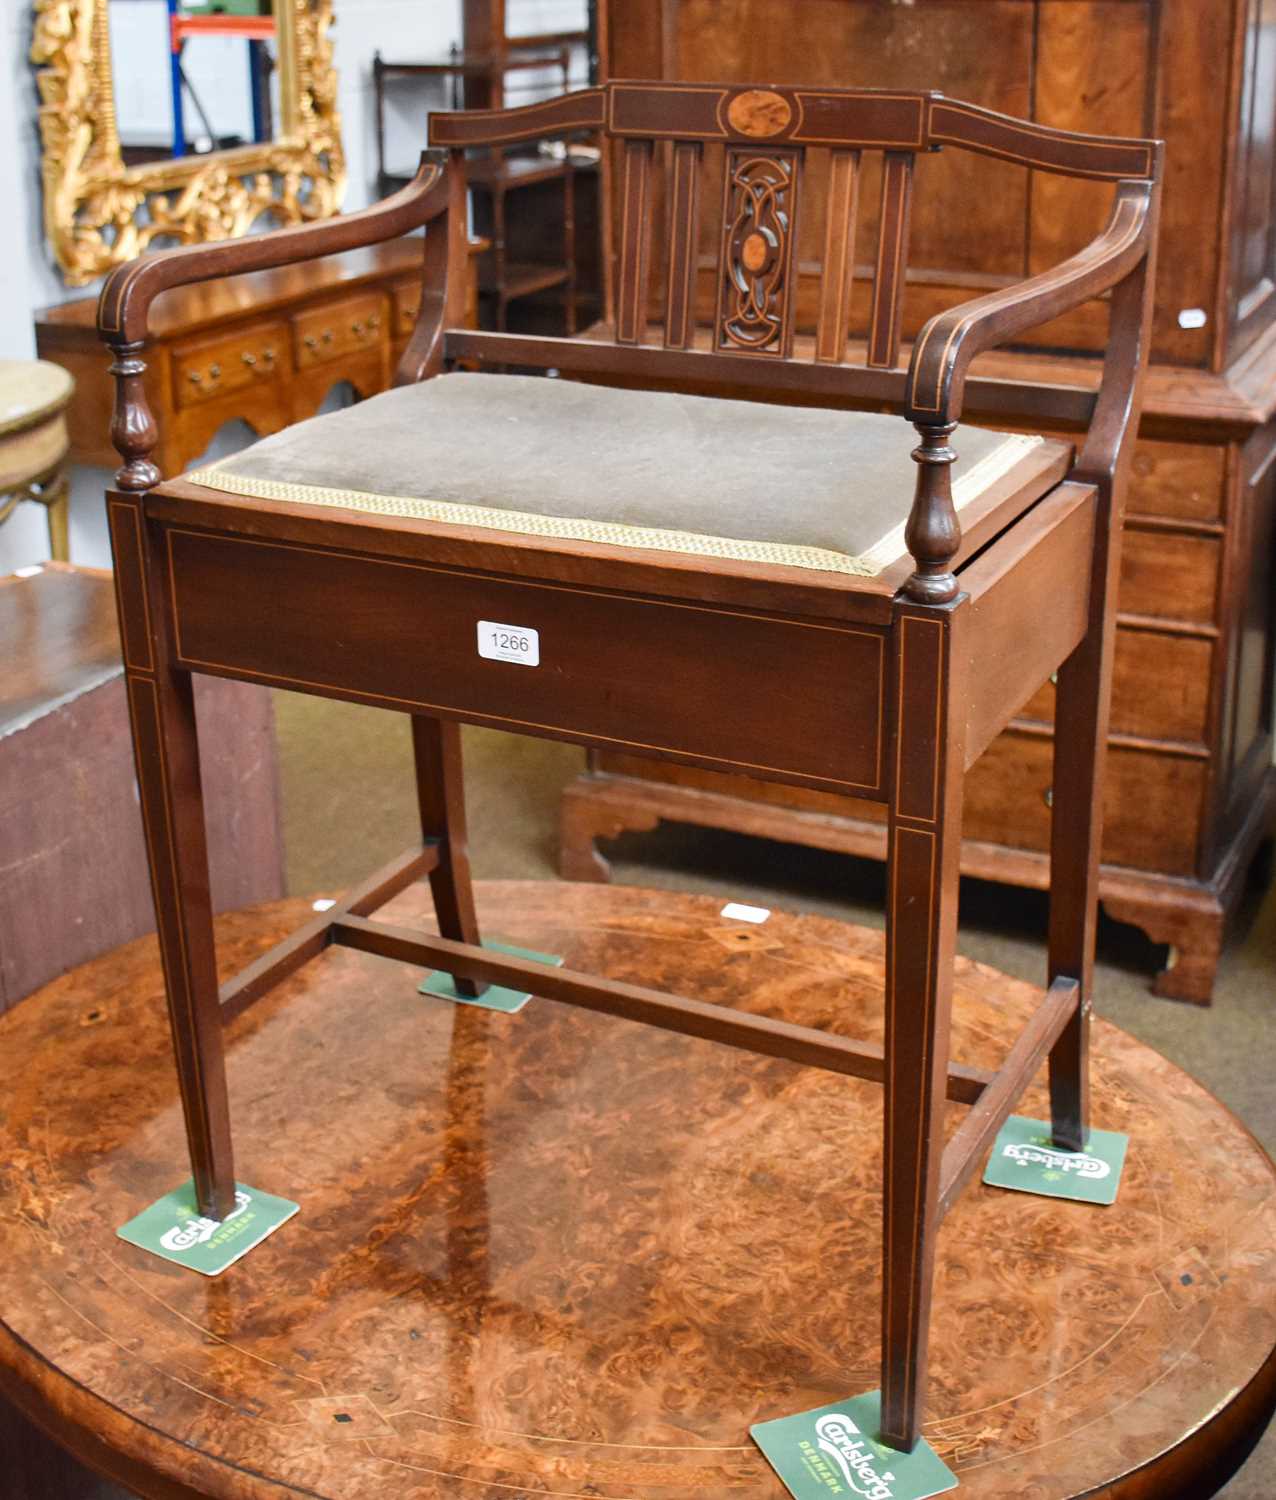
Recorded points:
256,85
175,73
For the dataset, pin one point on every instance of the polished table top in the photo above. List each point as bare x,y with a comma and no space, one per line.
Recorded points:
561,1254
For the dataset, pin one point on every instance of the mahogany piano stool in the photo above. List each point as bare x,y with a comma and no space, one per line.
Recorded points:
725,583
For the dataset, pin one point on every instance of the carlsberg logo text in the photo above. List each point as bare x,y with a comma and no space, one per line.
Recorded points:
1077,1163
845,1444
198,1231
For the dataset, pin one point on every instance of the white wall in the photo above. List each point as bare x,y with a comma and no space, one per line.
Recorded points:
402,29
216,66
23,537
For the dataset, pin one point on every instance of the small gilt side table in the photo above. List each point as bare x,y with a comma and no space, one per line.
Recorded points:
34,396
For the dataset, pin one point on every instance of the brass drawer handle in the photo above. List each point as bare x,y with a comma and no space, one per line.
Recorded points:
1048,796
214,372
326,335
356,328
249,359
311,341
268,355
195,377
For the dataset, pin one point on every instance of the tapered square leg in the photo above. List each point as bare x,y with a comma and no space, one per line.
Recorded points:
1077,828
441,795
921,926
1082,706
162,713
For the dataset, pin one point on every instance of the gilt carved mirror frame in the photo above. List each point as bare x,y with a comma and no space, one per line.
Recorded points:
98,213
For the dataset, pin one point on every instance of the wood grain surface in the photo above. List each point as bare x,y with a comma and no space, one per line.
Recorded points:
560,1254
73,876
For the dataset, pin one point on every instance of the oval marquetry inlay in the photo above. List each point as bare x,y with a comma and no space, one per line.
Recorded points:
759,112
754,253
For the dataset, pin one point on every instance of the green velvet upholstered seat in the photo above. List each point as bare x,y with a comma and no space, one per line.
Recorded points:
801,486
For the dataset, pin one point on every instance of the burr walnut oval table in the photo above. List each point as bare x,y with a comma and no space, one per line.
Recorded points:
558,1254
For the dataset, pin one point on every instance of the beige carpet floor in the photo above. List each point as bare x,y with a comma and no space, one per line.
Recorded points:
349,805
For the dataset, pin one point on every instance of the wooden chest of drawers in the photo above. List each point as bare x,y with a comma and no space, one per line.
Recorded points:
266,348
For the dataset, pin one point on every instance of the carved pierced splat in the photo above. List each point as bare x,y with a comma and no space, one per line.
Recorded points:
759,215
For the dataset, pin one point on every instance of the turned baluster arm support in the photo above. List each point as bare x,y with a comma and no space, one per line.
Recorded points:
1118,259
124,306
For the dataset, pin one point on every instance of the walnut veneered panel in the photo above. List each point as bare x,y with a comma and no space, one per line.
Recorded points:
1084,65
1254,267
1160,687
1105,39
1153,804
1179,481
1170,576
646,676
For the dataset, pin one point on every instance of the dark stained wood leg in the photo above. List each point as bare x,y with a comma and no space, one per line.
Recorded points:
922,878
162,711
441,796
1083,702
1080,749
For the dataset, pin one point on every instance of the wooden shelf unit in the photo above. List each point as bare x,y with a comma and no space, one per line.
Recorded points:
505,275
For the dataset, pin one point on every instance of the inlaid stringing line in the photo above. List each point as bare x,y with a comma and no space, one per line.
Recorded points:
132,511
839,257
635,231
1059,276
683,220
888,294
1033,131
248,673
196,1128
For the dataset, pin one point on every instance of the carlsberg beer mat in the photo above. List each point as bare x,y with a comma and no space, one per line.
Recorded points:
1025,1158
834,1450
175,1229
495,996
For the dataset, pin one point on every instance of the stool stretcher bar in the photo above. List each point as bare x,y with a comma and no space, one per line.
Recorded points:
284,958
965,1151
992,1094
631,1002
